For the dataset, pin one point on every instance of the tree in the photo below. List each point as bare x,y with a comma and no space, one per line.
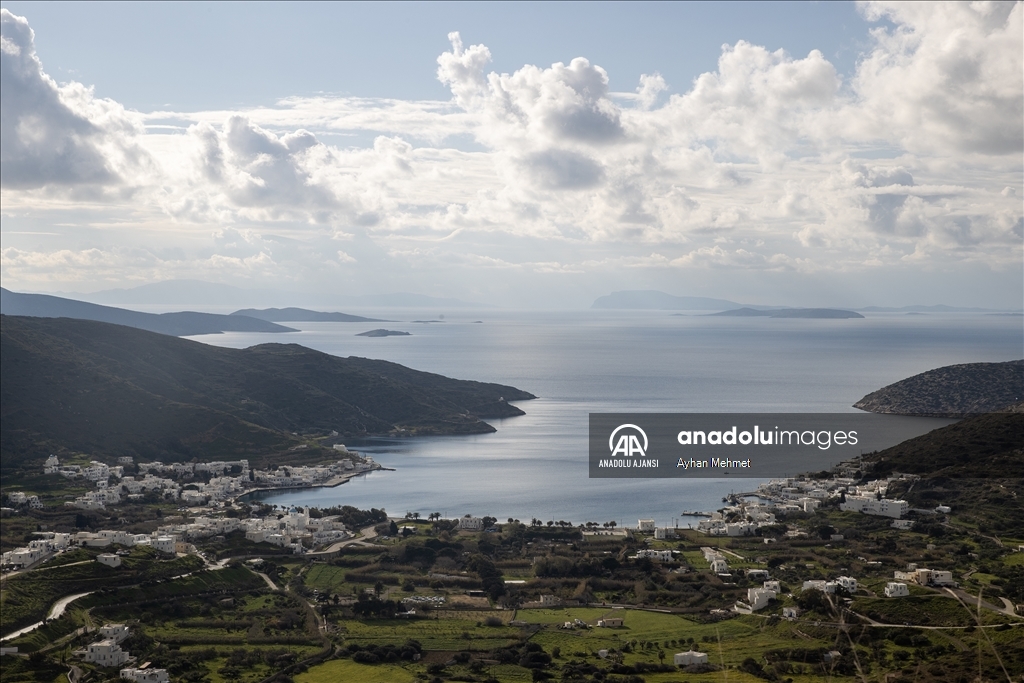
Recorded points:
378,588
393,528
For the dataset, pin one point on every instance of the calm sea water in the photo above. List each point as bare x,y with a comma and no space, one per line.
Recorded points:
610,361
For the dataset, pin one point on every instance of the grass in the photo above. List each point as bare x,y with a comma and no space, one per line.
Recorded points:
347,670
325,578
1014,559
930,610
435,634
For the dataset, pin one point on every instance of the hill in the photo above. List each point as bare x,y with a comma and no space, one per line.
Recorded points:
975,466
302,315
93,387
181,324
814,313
951,391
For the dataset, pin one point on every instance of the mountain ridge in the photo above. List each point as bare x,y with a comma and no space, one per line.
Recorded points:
297,315
180,324
87,386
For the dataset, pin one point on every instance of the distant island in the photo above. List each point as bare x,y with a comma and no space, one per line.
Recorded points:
650,299
816,313
951,391
183,324
302,315
384,333
86,386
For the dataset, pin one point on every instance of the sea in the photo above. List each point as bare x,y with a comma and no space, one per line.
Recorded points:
535,466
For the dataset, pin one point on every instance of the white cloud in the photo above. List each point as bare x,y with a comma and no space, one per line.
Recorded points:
946,78
771,162
56,136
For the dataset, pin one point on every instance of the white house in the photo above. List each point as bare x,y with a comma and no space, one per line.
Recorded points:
114,632
689,658
165,544
145,675
773,586
610,622
471,523
106,653
818,585
870,505
847,583
659,555
663,533
645,525
109,559
896,590
758,598
790,612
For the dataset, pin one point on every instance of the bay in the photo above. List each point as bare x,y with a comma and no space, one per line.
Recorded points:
578,362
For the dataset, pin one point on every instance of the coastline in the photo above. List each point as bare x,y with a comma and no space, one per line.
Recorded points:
330,483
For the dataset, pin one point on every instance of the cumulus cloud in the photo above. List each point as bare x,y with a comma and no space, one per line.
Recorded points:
945,78
54,135
769,162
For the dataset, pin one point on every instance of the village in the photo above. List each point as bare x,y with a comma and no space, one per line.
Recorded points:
808,551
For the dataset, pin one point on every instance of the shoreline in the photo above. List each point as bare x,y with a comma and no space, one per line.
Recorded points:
333,482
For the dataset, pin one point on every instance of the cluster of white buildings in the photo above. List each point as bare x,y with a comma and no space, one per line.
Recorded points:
806,495
749,517
847,583
227,479
287,532
37,550
290,530
22,498
925,577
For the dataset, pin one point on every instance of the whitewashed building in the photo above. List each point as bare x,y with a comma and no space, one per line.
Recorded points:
689,658
896,590
145,675
109,559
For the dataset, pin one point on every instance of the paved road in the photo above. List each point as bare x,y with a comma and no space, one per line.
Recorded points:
366,534
55,612
971,601
267,579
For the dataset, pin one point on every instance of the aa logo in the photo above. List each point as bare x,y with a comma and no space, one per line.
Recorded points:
628,442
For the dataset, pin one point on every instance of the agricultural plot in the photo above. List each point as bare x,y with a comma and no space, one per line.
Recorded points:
347,670
460,631
325,578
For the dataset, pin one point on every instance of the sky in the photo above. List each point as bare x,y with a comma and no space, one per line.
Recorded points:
527,155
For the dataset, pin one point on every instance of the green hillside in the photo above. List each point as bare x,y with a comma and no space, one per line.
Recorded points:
99,388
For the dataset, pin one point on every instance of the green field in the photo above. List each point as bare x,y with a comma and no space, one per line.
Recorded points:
347,670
